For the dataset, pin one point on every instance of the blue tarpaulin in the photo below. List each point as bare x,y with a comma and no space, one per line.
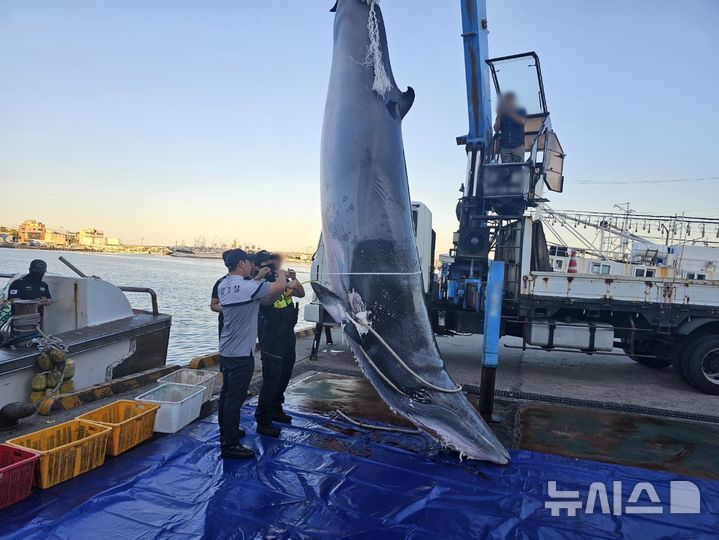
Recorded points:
324,479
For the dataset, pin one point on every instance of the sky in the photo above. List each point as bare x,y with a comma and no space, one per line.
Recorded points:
170,120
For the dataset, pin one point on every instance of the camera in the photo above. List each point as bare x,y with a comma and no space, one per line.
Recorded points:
272,276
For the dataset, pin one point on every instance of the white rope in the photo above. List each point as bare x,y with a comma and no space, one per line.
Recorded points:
381,83
378,428
370,273
402,363
384,377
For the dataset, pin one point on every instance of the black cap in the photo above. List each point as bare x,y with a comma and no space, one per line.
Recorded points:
234,257
38,266
261,257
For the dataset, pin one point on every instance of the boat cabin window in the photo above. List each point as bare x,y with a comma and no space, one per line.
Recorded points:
643,272
601,269
558,264
693,275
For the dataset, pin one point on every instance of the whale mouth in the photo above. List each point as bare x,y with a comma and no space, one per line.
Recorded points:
446,415
462,430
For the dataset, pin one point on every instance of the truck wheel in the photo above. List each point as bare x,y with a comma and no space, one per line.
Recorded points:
700,364
661,360
678,366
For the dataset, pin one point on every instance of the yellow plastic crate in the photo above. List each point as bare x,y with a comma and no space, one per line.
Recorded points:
131,422
66,450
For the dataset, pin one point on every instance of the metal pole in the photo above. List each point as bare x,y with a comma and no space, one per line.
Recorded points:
492,331
71,266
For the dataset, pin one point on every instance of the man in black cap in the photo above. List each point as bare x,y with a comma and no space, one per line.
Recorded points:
31,286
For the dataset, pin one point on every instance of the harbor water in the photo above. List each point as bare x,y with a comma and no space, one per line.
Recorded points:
183,288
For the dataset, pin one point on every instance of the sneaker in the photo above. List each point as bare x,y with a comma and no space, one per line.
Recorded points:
270,430
237,452
282,417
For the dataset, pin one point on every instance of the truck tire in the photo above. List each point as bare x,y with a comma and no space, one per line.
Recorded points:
700,364
660,361
678,366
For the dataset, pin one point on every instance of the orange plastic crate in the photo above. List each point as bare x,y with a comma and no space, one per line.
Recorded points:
17,466
66,450
131,422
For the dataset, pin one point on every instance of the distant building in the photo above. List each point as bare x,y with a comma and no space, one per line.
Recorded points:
31,230
113,242
59,238
91,238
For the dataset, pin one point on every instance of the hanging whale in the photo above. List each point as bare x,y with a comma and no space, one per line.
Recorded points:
370,249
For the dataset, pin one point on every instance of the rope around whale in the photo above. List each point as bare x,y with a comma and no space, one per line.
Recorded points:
367,274
402,363
378,428
392,352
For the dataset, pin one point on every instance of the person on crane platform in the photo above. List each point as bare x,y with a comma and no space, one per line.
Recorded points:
277,345
510,126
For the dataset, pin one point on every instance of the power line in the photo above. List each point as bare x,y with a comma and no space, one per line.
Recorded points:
627,182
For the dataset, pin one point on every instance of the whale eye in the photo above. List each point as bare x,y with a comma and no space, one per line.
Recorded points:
420,395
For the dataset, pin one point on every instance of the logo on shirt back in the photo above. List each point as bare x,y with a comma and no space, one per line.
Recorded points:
12,291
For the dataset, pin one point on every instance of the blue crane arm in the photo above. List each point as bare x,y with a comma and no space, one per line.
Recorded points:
476,47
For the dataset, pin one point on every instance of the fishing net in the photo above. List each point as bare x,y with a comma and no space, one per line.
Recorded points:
381,83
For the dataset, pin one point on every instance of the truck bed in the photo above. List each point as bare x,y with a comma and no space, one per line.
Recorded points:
655,290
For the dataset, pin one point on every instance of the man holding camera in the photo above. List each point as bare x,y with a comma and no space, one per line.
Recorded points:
278,317
240,295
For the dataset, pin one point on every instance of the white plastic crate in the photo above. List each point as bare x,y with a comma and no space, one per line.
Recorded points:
179,404
193,377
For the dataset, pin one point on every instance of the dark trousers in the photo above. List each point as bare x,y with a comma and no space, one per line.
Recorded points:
236,376
276,375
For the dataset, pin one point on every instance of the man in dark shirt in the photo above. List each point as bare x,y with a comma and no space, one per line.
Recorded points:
510,125
215,298
277,345
31,286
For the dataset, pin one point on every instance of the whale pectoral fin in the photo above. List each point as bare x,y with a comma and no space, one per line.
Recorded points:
332,303
406,101
334,8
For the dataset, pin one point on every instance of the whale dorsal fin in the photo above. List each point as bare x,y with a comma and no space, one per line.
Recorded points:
332,303
406,101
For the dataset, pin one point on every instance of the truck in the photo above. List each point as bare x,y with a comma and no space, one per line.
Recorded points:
658,321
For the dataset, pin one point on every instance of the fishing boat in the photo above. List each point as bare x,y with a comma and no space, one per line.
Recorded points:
197,252
93,319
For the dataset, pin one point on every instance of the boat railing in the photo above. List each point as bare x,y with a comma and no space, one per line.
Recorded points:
152,293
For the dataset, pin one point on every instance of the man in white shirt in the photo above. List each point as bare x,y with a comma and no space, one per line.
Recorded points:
240,297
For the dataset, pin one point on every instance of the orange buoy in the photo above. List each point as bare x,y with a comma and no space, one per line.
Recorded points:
572,268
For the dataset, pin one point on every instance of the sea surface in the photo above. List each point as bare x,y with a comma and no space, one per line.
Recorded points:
183,288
